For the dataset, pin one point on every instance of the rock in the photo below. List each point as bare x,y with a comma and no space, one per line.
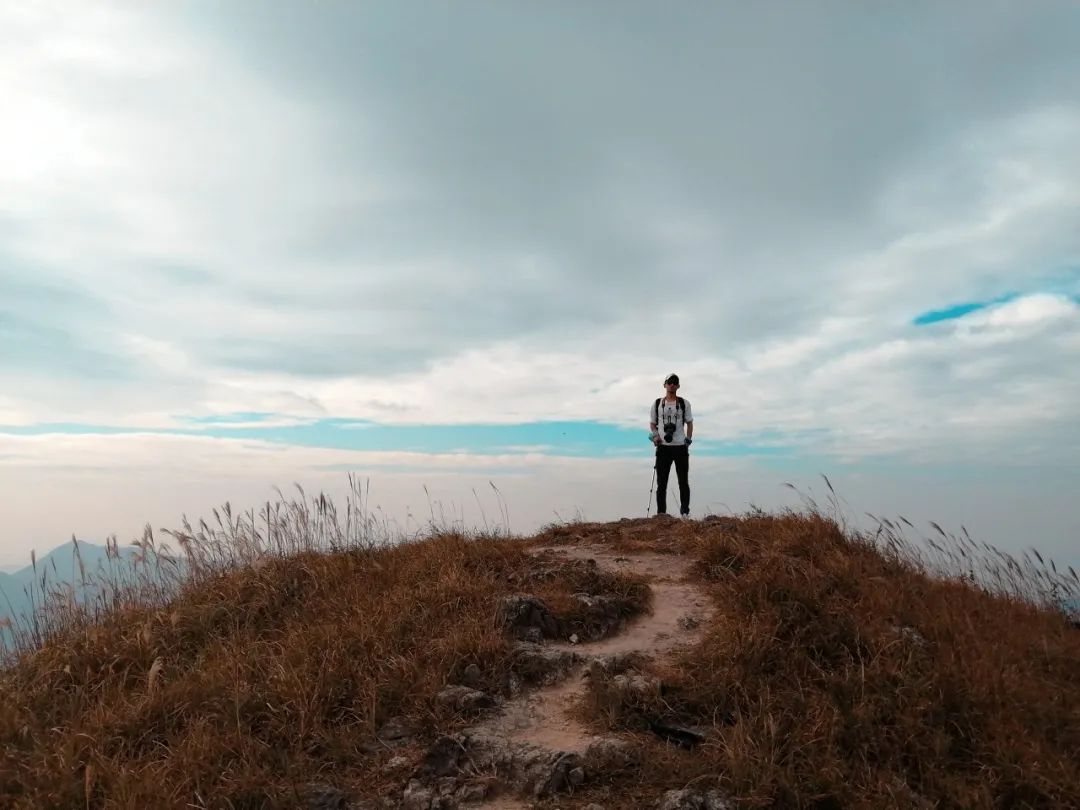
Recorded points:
614,663
594,806
574,638
689,621
513,685
715,800
911,635
464,699
609,751
474,792
417,796
694,800
524,612
385,803
641,685
680,735
603,617
442,759
542,665
395,764
472,676
533,635
396,729
524,769
324,797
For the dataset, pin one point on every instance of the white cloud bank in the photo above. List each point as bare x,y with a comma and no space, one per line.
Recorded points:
383,212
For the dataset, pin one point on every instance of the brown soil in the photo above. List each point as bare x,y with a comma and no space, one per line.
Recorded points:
544,717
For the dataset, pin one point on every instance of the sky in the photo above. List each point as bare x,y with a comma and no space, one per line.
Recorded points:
454,249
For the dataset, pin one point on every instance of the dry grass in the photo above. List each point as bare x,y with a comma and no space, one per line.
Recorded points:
840,671
270,668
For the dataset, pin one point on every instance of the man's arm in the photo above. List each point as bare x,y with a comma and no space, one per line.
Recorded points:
689,430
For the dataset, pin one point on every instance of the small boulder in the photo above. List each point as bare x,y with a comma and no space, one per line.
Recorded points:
472,676
324,797
689,621
543,665
464,699
641,685
694,800
525,612
396,729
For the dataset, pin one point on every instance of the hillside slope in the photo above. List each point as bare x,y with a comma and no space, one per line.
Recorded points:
816,670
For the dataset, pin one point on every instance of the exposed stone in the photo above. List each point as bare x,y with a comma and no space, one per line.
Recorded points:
385,803
543,665
609,750
680,735
910,634
523,612
603,615
395,729
324,797
531,634
614,663
525,769
694,800
474,791
416,796
689,621
442,759
472,676
513,685
641,685
395,764
462,698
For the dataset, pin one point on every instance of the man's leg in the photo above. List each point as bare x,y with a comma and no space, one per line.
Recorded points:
682,470
663,470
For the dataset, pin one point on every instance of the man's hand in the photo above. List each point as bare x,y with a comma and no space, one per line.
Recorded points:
689,441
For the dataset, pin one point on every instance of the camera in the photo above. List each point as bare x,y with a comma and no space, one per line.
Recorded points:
669,432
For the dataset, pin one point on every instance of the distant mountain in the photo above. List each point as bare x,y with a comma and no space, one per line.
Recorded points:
20,589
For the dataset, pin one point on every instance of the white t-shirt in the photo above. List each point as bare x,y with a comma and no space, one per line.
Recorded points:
670,412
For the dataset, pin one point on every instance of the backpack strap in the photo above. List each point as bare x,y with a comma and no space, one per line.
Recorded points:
680,407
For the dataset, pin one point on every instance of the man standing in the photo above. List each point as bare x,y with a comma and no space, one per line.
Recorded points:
671,426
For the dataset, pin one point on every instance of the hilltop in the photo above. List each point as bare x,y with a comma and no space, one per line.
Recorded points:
765,660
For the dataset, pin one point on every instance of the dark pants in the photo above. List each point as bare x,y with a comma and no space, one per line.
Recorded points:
665,454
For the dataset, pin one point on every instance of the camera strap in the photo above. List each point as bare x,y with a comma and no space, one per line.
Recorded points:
680,410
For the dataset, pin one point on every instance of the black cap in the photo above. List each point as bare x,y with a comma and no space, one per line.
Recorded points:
671,378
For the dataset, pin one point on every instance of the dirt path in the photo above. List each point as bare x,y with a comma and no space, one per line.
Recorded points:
541,717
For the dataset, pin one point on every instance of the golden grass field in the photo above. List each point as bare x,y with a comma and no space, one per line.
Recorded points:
838,670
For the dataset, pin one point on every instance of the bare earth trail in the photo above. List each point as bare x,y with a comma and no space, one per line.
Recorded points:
542,717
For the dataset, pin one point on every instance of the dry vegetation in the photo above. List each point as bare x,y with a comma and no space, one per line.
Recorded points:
839,671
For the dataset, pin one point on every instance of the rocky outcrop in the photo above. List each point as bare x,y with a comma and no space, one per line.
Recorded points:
541,665
528,618
466,768
464,699
694,800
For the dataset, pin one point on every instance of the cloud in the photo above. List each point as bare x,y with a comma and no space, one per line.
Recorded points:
394,214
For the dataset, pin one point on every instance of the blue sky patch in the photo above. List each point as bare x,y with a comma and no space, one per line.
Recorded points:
565,438
959,310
